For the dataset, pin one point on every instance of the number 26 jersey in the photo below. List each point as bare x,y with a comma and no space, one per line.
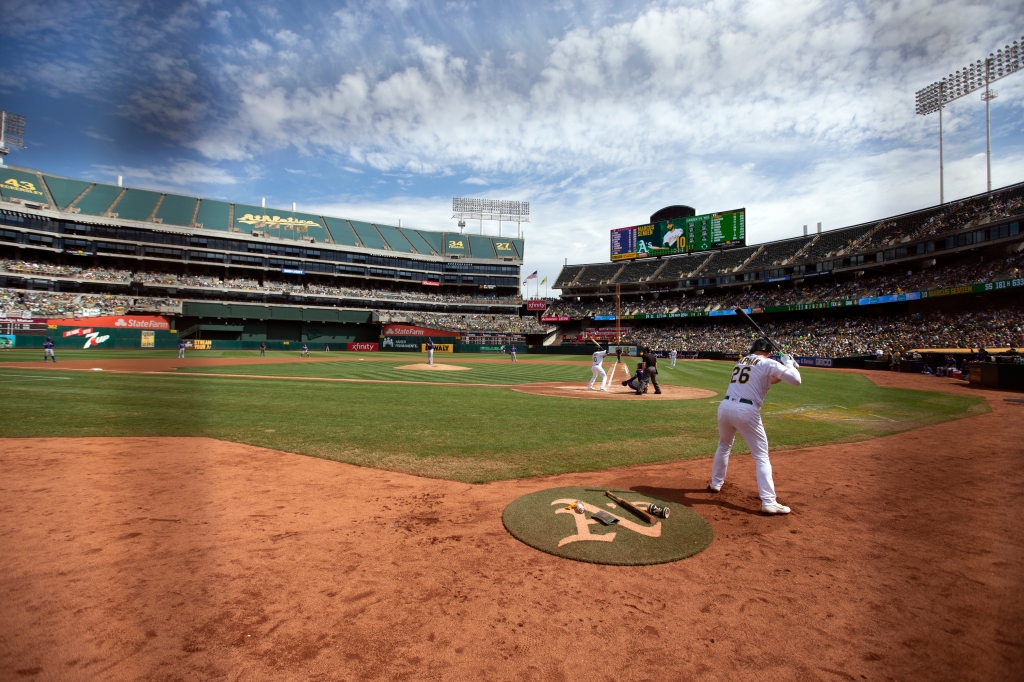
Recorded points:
753,376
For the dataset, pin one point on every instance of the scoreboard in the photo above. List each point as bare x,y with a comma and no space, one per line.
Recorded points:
682,235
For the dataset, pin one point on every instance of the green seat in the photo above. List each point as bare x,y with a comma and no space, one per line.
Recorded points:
64,191
368,235
136,204
98,199
177,210
394,238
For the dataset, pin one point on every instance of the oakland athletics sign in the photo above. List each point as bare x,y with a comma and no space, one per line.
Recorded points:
585,524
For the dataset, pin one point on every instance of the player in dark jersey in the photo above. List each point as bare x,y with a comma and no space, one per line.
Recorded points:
651,368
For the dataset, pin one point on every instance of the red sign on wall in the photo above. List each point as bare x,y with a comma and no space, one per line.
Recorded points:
554,318
410,330
537,304
428,283
363,346
116,322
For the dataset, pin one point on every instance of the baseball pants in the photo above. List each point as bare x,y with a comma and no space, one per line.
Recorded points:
746,419
430,357
594,371
651,375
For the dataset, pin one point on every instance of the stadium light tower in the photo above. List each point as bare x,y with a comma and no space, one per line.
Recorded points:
517,212
12,129
962,83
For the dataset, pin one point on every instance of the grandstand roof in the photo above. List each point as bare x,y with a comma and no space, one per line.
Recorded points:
89,201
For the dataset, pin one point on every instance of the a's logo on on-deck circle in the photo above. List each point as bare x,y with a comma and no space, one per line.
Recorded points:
583,524
590,524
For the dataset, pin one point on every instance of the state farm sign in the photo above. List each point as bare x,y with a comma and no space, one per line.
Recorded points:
363,346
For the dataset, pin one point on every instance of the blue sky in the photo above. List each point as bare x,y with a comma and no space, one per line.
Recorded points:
598,113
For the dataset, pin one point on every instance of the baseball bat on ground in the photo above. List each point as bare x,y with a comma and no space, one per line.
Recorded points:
760,332
630,507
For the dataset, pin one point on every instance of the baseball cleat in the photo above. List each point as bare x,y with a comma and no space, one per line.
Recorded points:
712,488
774,508
605,390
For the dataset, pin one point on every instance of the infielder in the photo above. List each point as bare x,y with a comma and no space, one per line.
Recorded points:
740,411
181,349
598,367
513,352
672,356
305,351
48,350
430,351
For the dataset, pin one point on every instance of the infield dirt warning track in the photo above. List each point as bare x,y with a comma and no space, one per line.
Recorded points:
163,558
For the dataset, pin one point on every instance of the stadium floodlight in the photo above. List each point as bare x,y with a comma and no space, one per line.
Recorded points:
962,83
12,129
517,212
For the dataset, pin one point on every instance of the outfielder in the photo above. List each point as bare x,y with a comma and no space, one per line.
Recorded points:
672,356
513,352
740,411
181,349
598,367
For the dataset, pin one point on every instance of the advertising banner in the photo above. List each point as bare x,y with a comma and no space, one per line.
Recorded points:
626,350
440,348
399,343
554,318
537,304
410,330
7,340
148,339
115,322
363,346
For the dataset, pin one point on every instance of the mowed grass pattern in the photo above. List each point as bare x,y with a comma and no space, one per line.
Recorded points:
467,433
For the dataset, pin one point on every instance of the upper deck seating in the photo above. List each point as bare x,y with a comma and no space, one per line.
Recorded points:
395,239
480,247
213,215
98,199
136,204
726,261
64,190
680,267
177,210
599,274
775,253
640,270
368,235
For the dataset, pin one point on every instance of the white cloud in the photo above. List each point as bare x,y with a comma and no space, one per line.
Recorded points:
177,175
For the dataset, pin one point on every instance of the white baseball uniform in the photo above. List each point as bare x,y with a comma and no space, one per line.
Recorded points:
598,368
672,356
741,411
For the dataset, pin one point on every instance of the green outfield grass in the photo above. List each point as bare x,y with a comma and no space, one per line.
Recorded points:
466,433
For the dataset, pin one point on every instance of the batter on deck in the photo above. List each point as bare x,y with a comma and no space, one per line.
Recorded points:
740,411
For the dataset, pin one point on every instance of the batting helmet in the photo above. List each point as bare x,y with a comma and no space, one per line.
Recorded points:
760,345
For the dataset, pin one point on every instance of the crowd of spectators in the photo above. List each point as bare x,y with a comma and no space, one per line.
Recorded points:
994,327
68,271
99,274
960,214
971,270
16,303
458,322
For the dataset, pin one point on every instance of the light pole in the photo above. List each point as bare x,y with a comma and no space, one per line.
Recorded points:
963,82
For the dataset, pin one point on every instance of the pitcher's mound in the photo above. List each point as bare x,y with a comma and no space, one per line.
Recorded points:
434,367
563,389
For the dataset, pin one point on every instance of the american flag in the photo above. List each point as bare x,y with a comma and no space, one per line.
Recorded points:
533,276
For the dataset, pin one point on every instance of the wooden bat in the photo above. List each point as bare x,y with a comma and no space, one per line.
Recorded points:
760,332
630,507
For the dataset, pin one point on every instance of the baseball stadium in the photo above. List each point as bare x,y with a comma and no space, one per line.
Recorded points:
252,443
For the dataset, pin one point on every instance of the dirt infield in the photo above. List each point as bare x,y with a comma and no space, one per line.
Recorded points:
153,558
568,389
424,367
